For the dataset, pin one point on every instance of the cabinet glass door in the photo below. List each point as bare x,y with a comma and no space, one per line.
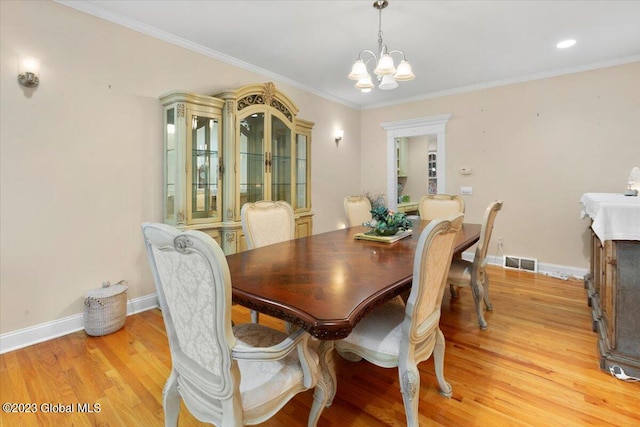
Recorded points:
280,160
432,173
301,171
205,152
252,158
170,166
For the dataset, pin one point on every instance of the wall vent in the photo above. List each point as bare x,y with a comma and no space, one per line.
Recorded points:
520,263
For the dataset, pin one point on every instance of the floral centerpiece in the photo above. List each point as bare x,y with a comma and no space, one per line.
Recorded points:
387,223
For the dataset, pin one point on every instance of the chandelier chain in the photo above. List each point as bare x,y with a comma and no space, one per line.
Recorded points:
379,28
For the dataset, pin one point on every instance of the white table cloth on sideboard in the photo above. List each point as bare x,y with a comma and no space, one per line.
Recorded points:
613,284
615,216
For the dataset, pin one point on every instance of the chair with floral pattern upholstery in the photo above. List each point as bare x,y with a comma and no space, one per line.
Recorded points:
226,375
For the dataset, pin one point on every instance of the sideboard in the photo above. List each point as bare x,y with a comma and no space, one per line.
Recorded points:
613,282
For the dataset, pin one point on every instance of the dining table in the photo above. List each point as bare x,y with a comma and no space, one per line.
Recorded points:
326,283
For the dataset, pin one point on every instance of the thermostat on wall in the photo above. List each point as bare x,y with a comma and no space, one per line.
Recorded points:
465,171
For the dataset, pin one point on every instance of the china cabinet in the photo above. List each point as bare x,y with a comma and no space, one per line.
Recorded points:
235,147
432,165
302,205
193,171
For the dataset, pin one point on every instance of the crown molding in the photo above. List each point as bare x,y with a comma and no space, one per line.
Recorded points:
99,12
510,81
132,24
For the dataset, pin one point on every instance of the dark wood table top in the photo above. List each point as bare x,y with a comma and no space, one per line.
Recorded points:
327,282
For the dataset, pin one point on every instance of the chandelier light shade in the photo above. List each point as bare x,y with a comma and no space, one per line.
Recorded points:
385,66
365,84
404,72
359,70
388,82
386,72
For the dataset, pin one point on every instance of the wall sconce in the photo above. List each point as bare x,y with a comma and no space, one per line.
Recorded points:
339,135
28,71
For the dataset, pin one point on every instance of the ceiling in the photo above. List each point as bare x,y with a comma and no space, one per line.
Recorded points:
453,46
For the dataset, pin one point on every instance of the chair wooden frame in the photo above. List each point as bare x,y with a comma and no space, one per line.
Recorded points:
473,274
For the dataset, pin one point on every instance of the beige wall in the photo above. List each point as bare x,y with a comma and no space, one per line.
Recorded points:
538,146
81,155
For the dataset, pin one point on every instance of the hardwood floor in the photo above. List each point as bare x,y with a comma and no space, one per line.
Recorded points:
536,365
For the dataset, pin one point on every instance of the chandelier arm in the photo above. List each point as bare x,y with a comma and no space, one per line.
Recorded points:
370,52
400,52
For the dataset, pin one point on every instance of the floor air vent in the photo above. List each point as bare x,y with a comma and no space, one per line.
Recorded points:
518,263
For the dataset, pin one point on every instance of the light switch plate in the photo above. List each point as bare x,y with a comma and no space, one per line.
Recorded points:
466,190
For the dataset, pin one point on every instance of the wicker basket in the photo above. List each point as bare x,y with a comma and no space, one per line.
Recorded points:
105,309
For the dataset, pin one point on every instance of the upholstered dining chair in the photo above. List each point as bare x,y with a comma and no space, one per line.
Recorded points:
435,206
473,274
266,223
358,210
399,335
226,375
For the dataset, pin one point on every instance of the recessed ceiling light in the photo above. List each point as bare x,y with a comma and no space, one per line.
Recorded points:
565,44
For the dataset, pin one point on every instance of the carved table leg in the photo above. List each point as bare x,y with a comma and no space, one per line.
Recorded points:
328,367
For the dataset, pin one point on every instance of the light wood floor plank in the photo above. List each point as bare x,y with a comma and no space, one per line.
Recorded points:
536,365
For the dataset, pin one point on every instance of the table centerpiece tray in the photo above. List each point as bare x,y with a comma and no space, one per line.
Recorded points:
372,236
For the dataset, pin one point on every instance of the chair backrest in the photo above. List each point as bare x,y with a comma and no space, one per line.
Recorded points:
435,206
266,222
194,290
431,265
486,229
358,210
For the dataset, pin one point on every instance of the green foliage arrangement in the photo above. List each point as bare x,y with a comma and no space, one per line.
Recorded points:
387,223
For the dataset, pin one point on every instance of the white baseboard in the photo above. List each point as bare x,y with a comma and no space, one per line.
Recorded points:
558,271
57,328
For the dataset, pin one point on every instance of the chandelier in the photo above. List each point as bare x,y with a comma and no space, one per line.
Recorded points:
386,72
